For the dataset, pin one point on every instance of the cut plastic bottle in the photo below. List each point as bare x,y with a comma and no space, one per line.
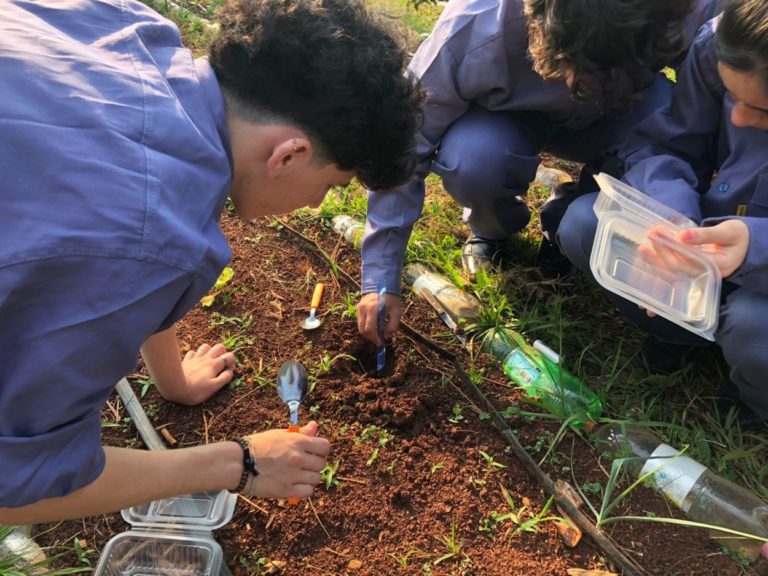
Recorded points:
536,369
704,496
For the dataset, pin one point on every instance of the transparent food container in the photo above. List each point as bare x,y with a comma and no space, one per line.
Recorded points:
635,255
170,537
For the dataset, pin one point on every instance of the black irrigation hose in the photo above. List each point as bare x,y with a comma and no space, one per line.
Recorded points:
628,566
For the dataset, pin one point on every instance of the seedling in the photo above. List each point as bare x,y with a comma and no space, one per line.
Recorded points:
243,321
521,517
452,544
457,416
436,466
145,385
328,475
491,462
349,308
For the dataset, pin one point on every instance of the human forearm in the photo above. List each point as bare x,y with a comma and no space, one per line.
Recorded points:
133,477
161,357
390,219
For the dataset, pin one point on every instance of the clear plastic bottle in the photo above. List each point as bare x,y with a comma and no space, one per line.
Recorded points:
703,495
460,306
28,556
537,370
351,229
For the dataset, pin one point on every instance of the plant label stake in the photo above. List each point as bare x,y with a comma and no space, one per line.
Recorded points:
311,322
381,322
292,388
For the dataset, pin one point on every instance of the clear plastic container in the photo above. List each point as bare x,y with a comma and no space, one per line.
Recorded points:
675,281
171,536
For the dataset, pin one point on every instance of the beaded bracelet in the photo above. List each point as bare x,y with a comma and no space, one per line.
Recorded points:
249,465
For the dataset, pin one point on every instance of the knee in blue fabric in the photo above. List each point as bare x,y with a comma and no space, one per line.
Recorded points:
576,231
744,342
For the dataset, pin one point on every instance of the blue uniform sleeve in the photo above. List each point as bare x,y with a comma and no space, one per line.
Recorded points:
672,154
464,58
72,327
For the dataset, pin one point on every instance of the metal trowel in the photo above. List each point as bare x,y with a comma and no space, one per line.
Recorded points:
312,321
292,388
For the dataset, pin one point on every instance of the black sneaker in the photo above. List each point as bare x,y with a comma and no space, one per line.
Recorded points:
480,254
662,357
552,263
728,400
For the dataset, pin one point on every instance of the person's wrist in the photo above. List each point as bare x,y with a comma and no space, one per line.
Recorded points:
249,471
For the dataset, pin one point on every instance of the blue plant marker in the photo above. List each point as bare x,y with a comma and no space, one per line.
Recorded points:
381,321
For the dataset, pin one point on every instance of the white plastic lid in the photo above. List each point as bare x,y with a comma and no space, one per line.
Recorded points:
684,290
138,553
617,197
204,511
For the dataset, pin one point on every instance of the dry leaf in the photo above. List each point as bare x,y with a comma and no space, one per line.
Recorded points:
580,572
274,567
569,532
355,565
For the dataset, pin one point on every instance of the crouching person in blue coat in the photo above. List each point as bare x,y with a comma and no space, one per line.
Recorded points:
706,155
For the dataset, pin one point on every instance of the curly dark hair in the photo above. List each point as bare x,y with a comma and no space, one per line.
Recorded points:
742,36
330,68
608,45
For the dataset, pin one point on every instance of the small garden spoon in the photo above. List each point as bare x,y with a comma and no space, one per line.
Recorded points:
292,388
312,321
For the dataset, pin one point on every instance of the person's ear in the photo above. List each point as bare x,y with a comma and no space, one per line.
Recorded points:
288,155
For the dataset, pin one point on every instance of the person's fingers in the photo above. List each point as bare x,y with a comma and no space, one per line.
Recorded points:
189,355
309,429
223,377
225,362
314,463
309,477
318,446
217,349
203,349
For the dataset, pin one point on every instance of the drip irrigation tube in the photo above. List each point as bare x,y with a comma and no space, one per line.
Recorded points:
628,566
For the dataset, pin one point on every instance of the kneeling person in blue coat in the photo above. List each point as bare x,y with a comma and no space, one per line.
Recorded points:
706,155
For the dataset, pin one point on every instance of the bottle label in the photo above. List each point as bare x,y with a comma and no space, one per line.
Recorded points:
519,368
674,478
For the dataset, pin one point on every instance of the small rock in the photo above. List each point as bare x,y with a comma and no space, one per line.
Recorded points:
355,565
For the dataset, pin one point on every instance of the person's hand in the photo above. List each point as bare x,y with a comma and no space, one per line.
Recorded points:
206,371
764,550
727,243
367,318
289,463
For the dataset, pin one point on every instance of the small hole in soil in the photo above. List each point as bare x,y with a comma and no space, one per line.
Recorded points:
366,357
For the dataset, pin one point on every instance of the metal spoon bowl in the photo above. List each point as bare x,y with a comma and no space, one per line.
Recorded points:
292,387
312,321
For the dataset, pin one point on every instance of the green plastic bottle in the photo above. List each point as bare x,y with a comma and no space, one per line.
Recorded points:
536,369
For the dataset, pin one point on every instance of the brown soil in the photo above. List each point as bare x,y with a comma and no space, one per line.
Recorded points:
390,512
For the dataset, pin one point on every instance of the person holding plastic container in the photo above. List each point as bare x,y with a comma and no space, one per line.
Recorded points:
705,155
118,153
506,80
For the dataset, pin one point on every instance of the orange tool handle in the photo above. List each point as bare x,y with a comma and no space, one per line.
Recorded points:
296,428
317,294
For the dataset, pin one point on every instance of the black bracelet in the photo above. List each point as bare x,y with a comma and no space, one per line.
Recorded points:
249,464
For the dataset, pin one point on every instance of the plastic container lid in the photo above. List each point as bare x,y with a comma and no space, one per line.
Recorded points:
173,537
617,197
204,511
675,281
